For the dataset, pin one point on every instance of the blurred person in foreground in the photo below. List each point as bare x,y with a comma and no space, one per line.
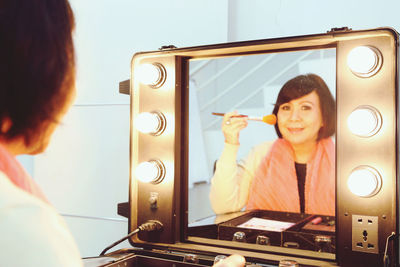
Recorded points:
37,87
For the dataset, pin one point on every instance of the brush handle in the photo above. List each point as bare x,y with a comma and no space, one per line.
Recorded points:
223,114
269,119
254,118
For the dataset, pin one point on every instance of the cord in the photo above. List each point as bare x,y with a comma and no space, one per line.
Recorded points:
149,226
386,259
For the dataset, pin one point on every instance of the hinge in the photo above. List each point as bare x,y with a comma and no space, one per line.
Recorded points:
340,29
124,87
167,47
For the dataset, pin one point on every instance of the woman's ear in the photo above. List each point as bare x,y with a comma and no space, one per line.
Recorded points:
6,124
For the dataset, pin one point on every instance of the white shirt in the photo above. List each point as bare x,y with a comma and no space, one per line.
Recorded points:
231,182
32,233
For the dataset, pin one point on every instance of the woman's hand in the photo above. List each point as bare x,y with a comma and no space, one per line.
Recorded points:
231,261
231,127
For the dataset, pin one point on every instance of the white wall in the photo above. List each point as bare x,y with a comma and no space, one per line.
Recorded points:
85,170
260,19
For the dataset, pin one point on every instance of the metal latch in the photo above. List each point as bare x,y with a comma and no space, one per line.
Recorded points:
124,87
339,29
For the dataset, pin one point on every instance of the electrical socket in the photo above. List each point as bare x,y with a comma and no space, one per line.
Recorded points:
365,233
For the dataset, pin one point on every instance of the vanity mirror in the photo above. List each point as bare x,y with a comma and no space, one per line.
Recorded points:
249,84
176,142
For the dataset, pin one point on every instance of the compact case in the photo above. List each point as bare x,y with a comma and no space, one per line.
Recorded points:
364,231
295,230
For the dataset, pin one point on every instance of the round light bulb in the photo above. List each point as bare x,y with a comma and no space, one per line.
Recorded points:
153,75
152,171
364,61
153,123
364,121
364,181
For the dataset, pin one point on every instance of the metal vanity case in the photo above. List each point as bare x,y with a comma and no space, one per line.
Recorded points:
364,231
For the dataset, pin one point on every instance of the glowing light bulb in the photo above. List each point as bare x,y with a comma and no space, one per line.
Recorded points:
152,171
153,123
364,61
153,75
364,121
364,181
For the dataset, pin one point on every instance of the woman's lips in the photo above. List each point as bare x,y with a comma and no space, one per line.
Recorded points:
294,130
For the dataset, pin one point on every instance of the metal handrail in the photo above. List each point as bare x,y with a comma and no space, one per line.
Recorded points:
198,67
219,73
220,95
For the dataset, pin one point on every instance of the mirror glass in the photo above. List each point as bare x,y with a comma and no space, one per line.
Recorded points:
250,85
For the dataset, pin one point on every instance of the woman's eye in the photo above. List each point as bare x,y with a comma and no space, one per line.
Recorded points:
285,107
306,107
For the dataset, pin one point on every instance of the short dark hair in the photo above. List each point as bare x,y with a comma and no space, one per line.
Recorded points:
37,68
303,85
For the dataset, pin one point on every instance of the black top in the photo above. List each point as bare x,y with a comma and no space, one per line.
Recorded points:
301,169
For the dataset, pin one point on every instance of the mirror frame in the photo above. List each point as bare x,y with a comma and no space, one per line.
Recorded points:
379,151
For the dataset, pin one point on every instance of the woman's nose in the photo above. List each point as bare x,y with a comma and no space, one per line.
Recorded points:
295,115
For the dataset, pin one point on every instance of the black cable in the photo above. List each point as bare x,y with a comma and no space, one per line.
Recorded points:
149,226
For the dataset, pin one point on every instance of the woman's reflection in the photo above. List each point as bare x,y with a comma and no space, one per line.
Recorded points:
296,172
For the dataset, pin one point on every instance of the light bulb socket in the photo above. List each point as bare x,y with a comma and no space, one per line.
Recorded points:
160,171
162,123
375,116
377,181
151,171
152,123
162,76
373,69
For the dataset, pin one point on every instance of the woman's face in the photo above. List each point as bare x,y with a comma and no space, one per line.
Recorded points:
299,120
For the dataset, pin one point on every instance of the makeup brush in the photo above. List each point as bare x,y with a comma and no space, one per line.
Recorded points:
269,119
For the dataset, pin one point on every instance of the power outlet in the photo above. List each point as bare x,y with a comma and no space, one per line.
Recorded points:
365,234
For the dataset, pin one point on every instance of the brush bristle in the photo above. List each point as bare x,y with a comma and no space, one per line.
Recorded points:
270,119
